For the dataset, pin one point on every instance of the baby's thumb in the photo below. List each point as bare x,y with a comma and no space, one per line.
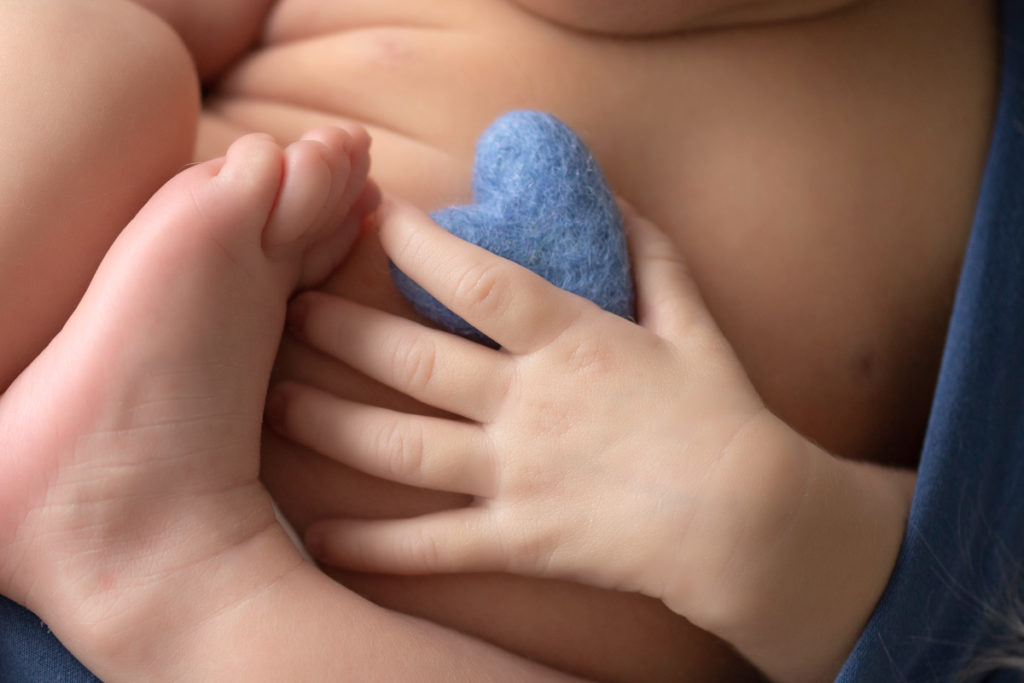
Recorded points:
667,299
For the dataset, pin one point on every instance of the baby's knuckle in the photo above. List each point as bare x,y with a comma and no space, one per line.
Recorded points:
401,449
531,550
424,550
411,247
480,289
415,363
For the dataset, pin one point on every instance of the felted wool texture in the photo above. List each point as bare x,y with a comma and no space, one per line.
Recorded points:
540,200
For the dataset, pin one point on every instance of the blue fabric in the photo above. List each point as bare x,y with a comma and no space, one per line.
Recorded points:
541,201
30,653
961,568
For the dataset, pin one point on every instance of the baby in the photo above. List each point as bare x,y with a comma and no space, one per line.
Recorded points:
796,152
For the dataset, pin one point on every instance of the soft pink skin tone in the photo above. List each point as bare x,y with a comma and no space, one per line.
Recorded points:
628,457
819,175
796,164
132,515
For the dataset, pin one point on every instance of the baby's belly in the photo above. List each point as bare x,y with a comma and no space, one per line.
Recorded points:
821,192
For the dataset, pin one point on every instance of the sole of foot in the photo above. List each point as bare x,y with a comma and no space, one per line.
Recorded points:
130,446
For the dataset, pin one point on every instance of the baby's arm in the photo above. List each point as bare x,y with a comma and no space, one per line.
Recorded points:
625,456
216,32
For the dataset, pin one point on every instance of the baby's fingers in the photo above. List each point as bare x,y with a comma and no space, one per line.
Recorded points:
411,449
436,368
510,304
443,542
668,301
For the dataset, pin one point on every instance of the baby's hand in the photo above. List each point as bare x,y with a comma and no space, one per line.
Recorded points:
628,456
617,454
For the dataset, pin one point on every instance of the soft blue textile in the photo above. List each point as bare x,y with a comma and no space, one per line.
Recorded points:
961,567
541,201
30,653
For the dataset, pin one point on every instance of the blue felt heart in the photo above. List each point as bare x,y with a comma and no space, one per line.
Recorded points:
541,201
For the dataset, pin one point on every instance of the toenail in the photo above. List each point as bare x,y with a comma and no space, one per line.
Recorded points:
344,138
346,142
323,150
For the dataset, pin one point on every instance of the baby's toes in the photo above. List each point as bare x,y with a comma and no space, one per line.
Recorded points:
350,147
313,176
237,190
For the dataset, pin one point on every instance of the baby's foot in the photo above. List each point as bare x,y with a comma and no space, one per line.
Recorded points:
129,448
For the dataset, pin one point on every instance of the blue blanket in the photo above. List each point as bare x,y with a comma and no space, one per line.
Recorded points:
959,581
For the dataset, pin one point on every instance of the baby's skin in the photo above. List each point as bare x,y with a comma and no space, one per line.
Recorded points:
132,518
629,457
819,175
106,439
800,154
799,158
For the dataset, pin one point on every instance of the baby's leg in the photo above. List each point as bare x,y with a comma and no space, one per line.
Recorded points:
216,33
129,447
100,108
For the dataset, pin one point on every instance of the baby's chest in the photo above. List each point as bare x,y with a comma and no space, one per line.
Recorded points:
819,177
